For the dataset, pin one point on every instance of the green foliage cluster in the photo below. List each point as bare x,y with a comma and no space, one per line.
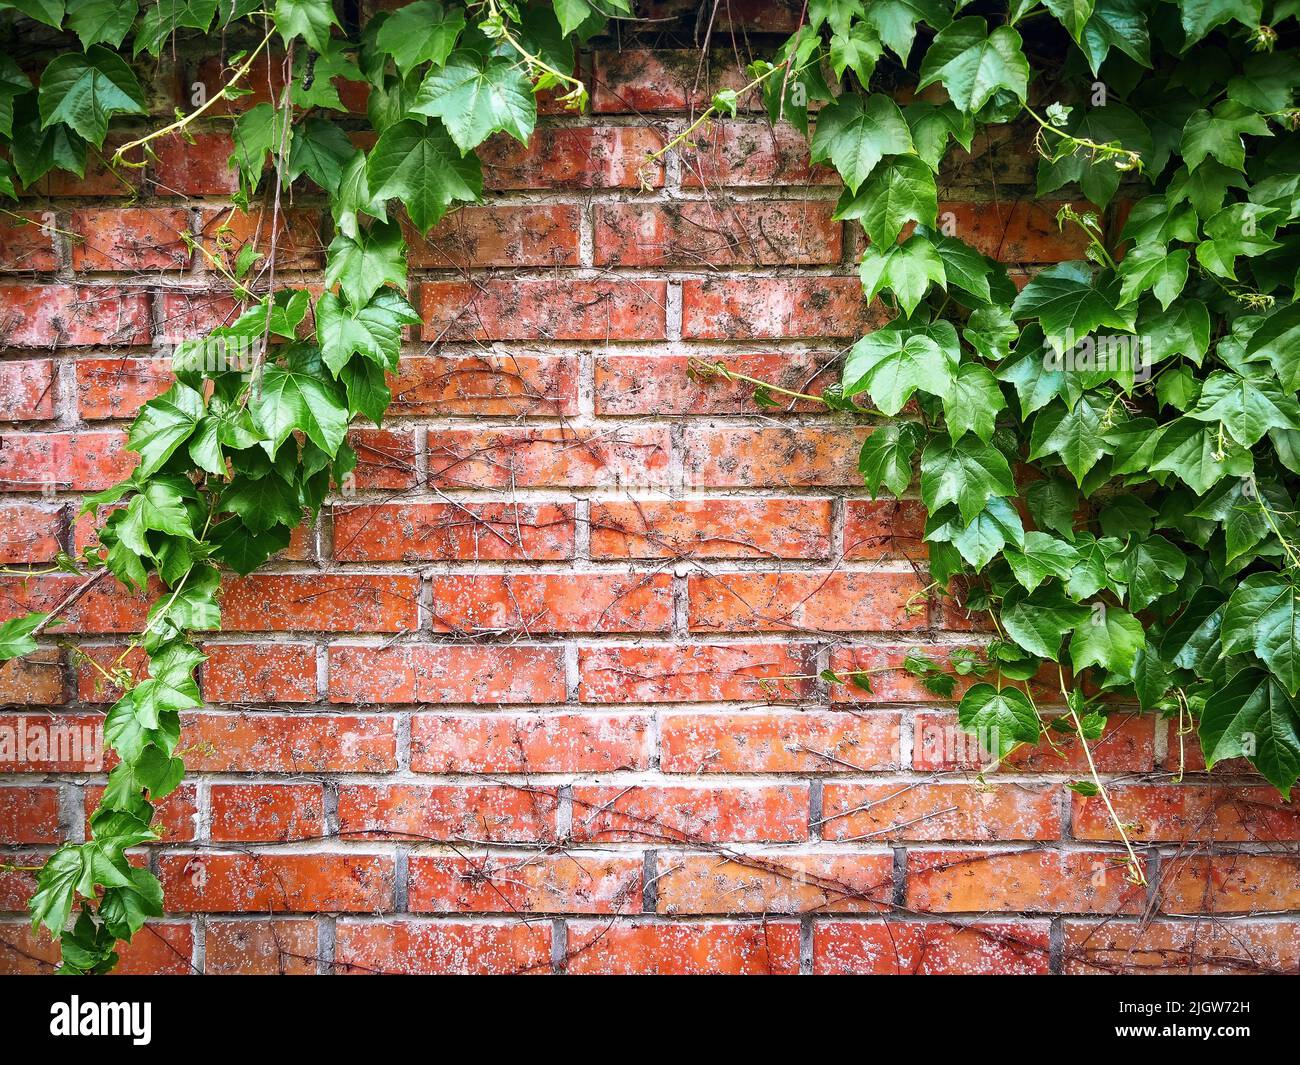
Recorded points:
241,448
1141,402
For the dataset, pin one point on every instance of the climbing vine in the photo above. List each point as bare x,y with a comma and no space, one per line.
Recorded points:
1140,402
253,433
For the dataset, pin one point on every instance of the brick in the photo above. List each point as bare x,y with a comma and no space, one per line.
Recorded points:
921,811
27,392
189,315
443,948
581,157
712,528
387,532
685,814
326,602
259,673
18,880
745,154
267,813
29,815
1229,883
297,243
438,673
1127,746
512,235
161,948
588,883
130,239
1019,231
45,316
80,462
51,743
277,883
775,308
539,309
884,669
486,384
891,529
522,457
689,673
289,743
772,457
1032,881
197,164
117,388
1190,948
386,458
33,680
1176,813
176,816
448,813
26,245
104,608
709,233
707,949
638,80
674,384
737,17
781,883
529,743
836,601
30,532
260,948
916,948
551,602
808,741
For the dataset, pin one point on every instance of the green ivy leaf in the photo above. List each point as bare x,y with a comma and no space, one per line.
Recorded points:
101,21
85,90
162,425
972,402
1151,267
362,267
1072,433
1251,716
1247,407
887,455
1041,556
1263,616
160,21
891,365
905,269
476,96
855,132
1070,304
423,32
309,19
900,191
422,167
16,635
973,64
1003,718
1118,24
1201,16
1038,621
293,399
895,21
967,472
1110,638
374,330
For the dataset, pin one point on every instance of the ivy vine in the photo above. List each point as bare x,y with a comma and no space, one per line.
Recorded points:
253,433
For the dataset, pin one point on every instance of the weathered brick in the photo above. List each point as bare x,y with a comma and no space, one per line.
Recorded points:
529,743
260,948
774,308
116,388
176,816
521,457
740,153
443,948
1032,881
684,814
326,602
512,235
28,242
30,532
706,949
1191,948
486,384
537,309
33,680
277,883
297,242
81,462
707,233
1127,746
638,80
478,531
439,673
259,673
1230,883
581,157
27,391
966,811
903,948
528,603
889,528
879,673
793,883
448,813
1018,231
161,948
836,601
808,741
712,528
267,813
130,239
690,673
675,384
1176,813
197,164
386,458
773,457
29,815
587,883
289,743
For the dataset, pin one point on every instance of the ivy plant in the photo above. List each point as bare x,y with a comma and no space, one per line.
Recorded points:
1107,450
250,438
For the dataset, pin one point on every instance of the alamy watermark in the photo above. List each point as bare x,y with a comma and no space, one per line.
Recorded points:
38,740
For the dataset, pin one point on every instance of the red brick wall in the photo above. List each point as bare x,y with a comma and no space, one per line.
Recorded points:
544,694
